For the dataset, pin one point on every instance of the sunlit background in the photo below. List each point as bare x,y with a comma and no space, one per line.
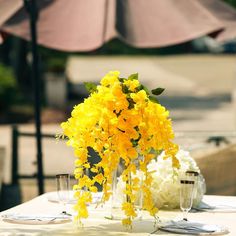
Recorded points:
199,77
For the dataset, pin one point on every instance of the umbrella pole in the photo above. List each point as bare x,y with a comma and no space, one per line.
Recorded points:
32,10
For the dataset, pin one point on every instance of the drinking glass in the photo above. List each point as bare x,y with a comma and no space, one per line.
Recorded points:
193,175
186,196
63,190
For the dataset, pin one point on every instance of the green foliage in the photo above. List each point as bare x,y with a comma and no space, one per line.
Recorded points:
7,79
7,86
158,91
90,87
133,76
117,47
54,61
153,99
231,2
56,64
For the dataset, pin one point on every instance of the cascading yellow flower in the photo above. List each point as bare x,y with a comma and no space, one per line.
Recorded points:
120,120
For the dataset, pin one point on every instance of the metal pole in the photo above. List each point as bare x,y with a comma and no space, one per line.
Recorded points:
14,172
32,10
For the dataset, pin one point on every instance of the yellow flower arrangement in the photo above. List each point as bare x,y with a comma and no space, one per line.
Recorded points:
120,120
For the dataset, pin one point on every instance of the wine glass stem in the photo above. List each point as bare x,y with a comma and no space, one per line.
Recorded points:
64,208
185,213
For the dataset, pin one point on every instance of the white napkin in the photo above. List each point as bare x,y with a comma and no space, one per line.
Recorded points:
224,208
195,228
35,219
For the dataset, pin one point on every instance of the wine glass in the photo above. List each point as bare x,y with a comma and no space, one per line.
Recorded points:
63,190
186,195
193,175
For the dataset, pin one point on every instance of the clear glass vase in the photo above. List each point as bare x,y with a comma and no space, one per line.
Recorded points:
119,197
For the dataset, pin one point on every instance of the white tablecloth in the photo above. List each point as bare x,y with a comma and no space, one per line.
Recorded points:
96,224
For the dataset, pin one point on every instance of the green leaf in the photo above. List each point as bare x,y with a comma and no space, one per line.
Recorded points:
158,91
122,79
144,88
131,103
153,99
125,89
133,76
91,87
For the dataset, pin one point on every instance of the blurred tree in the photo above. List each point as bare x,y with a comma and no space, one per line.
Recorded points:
5,49
231,2
13,53
117,47
20,64
52,60
7,87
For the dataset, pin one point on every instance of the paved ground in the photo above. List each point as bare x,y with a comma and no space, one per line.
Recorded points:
199,99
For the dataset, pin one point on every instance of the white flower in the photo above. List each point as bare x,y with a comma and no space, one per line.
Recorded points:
165,185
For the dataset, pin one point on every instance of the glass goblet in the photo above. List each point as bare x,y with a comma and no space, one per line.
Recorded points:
193,175
63,190
186,196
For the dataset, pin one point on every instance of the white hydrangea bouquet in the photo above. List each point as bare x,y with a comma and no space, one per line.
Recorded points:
165,180
165,185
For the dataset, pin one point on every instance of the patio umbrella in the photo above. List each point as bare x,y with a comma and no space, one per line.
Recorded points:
225,14
79,25
7,9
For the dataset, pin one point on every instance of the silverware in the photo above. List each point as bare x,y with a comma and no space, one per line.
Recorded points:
185,228
153,232
41,218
